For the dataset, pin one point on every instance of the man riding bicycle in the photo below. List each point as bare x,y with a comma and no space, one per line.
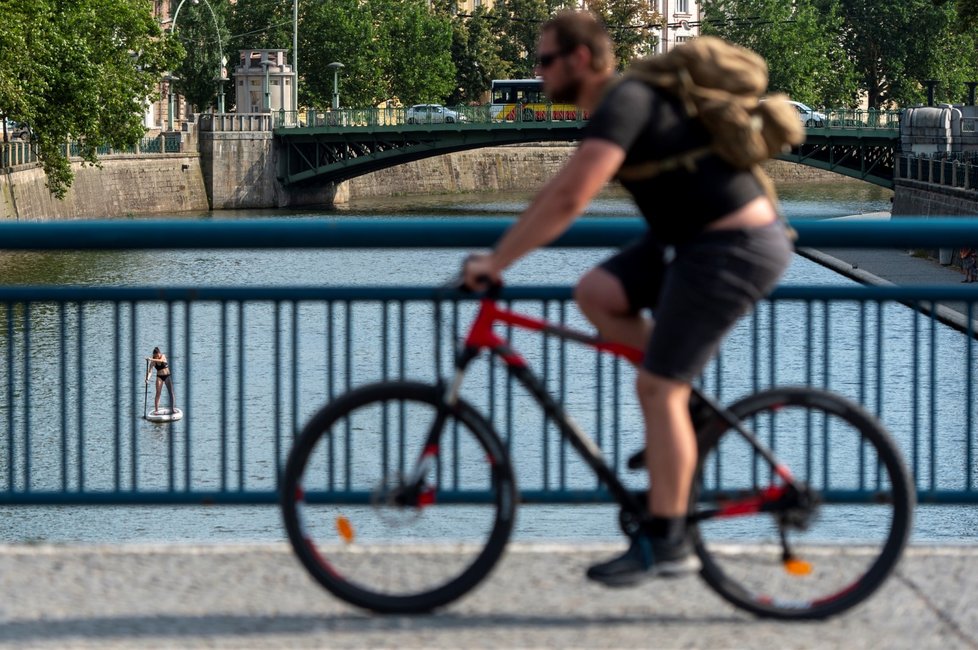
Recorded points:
714,247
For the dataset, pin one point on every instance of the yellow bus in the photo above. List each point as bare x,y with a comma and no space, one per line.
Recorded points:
522,100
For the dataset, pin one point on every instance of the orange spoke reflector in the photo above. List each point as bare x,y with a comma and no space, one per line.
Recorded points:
797,567
345,529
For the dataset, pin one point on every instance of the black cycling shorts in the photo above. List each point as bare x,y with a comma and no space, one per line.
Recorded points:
698,290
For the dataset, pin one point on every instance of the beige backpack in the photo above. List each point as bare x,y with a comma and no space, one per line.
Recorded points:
722,84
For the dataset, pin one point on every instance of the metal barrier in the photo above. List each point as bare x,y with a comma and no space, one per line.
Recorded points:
253,363
946,169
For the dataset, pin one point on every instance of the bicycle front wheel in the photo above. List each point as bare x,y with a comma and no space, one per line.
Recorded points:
818,553
389,518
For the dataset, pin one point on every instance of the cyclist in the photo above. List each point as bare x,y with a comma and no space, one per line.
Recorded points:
714,247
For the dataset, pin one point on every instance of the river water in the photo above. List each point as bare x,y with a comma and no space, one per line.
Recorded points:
386,267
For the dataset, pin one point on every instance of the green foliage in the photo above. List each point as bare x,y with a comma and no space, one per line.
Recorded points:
517,25
896,46
201,30
475,53
630,23
82,71
418,66
800,44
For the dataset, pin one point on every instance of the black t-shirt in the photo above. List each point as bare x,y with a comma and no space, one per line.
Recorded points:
650,124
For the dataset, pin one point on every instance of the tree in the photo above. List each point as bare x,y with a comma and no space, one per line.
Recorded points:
201,29
475,53
517,25
79,71
630,24
897,46
799,41
418,65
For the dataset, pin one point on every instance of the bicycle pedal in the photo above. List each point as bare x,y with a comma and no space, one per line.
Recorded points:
637,460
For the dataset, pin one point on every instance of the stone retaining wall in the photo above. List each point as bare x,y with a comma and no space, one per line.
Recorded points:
122,185
913,198
238,171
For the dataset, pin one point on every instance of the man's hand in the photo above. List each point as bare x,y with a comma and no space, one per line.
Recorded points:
477,269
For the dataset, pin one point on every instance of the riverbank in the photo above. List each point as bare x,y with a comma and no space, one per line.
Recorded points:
173,183
886,267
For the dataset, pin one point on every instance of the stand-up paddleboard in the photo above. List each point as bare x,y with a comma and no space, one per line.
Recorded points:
164,415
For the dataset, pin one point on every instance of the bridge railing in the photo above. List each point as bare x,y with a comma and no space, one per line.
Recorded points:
947,169
252,363
13,154
462,115
859,118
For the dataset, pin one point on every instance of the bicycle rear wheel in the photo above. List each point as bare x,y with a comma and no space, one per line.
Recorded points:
386,522
844,534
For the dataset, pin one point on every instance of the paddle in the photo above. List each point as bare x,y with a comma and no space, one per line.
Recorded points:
146,392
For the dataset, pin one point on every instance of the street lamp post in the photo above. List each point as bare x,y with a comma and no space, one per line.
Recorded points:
336,66
221,78
295,58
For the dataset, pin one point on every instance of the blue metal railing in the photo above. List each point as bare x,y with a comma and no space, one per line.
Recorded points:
251,364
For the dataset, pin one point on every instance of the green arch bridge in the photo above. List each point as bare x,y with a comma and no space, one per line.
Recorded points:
334,146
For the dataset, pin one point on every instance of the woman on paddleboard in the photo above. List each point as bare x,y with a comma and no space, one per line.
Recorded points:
159,361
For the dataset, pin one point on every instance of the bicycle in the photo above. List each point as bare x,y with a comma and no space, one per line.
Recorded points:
445,453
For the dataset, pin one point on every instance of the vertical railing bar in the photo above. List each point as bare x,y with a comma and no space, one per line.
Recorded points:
969,399
915,391
718,368
773,380
598,402
826,347
933,396
27,396
755,384
295,374
224,396
63,370
187,392
879,380
79,405
277,389
10,397
545,339
117,349
809,380
861,454
348,366
241,399
402,367
455,342
385,375
134,427
616,414
170,439
331,391
562,392
508,434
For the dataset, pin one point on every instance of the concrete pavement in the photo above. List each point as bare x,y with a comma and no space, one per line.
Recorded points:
258,596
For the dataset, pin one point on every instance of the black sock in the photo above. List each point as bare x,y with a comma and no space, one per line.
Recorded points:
672,529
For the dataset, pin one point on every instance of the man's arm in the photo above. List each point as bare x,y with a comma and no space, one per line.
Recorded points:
553,209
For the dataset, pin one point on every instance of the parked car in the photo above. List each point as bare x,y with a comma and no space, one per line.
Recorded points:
809,116
432,114
17,131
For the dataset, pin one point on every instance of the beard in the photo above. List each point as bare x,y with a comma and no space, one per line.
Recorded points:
566,94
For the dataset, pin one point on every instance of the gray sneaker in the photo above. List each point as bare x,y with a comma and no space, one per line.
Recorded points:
646,557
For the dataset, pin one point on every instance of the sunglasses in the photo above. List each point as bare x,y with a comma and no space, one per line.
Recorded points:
547,60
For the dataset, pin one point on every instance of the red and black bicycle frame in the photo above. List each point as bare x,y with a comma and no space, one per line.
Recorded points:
482,336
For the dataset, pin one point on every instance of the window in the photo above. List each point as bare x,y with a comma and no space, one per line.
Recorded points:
683,39
682,6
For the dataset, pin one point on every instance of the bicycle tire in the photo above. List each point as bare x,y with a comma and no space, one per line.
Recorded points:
445,572
748,576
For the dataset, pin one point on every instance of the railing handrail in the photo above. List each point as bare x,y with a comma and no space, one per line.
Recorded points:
591,232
